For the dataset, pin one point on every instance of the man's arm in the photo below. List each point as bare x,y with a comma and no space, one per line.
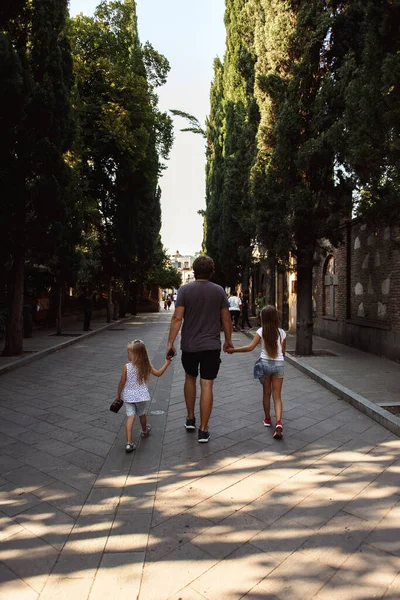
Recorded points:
227,327
175,326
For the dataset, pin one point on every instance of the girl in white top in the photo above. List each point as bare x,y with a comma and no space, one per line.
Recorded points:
273,348
132,388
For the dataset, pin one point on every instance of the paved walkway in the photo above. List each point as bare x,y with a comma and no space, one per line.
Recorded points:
244,516
45,340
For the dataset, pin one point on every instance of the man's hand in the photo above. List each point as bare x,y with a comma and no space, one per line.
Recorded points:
170,349
228,345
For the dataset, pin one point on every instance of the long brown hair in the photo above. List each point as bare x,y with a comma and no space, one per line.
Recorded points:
140,360
270,330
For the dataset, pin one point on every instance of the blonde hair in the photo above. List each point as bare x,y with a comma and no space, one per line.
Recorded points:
140,360
270,330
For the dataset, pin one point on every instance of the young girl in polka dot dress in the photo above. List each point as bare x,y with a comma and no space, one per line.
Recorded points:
132,389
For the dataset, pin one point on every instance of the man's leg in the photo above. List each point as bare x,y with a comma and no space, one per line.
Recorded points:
190,394
206,402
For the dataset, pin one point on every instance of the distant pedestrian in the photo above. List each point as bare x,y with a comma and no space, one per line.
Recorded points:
169,301
200,306
245,309
260,303
132,389
87,301
235,305
175,297
269,369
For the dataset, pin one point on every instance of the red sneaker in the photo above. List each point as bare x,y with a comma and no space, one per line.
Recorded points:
267,422
278,433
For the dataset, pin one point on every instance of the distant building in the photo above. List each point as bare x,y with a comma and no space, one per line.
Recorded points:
183,264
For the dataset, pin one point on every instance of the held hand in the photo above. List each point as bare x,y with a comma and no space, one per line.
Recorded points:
228,345
231,351
171,352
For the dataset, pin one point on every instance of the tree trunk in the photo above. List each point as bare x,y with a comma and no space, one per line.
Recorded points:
304,325
134,299
59,311
245,280
14,330
122,305
110,306
270,282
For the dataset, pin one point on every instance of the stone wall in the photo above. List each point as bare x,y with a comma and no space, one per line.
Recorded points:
357,289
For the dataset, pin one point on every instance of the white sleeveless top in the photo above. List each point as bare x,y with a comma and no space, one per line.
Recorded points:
264,353
134,391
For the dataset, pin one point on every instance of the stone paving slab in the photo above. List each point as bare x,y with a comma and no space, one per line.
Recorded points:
244,516
369,385
44,341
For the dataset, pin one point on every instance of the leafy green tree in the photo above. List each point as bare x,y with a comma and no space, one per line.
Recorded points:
35,203
124,136
162,273
369,77
303,192
14,83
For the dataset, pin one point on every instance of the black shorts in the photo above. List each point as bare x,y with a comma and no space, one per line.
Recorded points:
209,361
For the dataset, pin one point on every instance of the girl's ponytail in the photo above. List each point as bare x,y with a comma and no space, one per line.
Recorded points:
270,330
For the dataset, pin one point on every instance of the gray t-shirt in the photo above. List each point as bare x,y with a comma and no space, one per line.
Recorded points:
202,301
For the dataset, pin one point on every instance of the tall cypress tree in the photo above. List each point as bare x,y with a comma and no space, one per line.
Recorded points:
215,171
43,134
14,83
304,194
234,120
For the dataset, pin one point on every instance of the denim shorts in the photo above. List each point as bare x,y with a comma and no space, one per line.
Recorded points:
269,368
136,408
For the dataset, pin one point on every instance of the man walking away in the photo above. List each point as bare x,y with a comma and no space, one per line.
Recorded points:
87,301
200,306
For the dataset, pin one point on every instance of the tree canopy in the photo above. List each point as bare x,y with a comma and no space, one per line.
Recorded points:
83,148
303,122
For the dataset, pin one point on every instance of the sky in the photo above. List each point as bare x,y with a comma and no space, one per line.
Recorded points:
190,34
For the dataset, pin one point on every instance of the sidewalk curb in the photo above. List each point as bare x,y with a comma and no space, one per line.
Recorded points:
375,412
21,362
381,416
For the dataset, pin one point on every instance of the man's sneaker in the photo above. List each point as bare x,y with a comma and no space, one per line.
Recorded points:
203,436
267,422
190,424
278,433
130,447
144,434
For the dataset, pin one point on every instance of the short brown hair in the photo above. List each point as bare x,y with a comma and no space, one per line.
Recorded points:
203,267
